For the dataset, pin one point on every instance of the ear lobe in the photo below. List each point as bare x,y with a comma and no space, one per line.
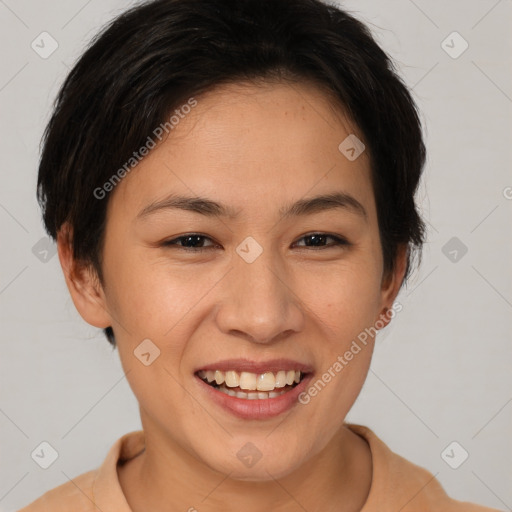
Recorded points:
82,282
392,282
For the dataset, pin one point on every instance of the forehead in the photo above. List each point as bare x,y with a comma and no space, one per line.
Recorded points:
254,148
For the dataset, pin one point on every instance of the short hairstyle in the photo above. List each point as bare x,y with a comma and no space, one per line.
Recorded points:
157,55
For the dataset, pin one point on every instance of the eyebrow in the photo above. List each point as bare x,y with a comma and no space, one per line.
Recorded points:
302,207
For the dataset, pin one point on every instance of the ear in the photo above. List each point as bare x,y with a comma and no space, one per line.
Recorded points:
392,282
82,282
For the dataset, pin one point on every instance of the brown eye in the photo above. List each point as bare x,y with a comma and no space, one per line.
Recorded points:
191,242
318,240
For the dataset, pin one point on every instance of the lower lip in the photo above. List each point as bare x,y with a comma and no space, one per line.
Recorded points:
258,409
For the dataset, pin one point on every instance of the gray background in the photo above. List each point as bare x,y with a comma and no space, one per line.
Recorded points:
441,370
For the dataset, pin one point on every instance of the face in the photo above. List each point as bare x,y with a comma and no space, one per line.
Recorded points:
245,288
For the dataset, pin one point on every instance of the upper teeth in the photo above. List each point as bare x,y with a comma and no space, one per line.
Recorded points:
252,381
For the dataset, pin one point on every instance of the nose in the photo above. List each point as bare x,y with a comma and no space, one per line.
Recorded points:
259,301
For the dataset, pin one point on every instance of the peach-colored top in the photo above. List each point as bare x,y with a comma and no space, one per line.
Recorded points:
397,484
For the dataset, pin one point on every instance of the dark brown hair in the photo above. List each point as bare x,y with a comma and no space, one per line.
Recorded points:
149,60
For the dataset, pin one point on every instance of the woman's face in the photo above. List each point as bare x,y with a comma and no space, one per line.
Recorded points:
259,291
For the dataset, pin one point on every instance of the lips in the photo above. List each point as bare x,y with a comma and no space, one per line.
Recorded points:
254,390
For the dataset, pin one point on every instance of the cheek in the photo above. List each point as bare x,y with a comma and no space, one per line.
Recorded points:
344,299
345,309
150,298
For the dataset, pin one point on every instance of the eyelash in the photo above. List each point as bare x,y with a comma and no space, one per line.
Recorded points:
339,241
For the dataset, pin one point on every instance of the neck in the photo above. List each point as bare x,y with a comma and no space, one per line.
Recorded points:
337,478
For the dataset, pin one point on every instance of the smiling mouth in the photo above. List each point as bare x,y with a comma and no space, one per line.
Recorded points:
252,386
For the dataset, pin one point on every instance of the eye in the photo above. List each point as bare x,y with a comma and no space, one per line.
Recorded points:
190,242
318,240
194,242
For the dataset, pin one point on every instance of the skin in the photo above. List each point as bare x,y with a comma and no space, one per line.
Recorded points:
255,148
